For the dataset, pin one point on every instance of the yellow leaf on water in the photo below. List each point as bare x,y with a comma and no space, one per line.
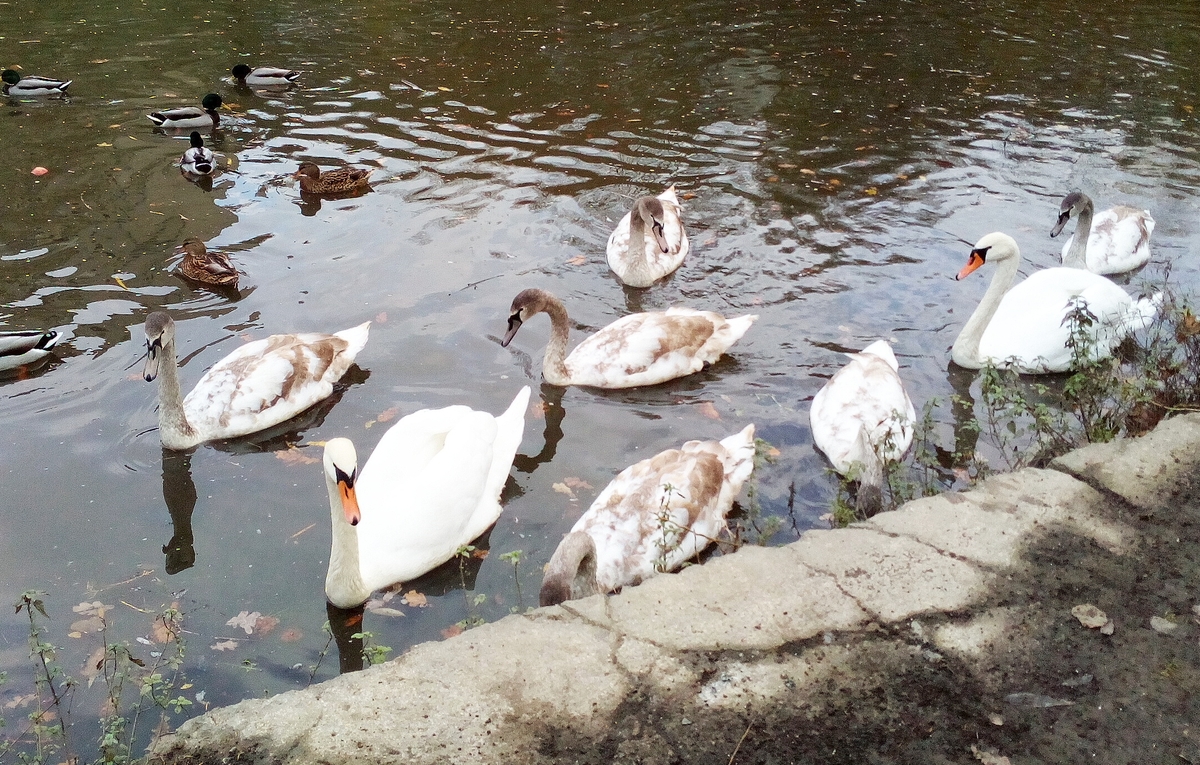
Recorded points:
414,599
443,88
105,145
872,191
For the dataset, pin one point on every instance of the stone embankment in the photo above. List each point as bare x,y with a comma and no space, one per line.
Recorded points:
941,632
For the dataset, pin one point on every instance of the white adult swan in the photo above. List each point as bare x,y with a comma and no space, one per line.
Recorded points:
432,485
1027,327
1115,241
863,418
260,384
655,515
639,349
649,242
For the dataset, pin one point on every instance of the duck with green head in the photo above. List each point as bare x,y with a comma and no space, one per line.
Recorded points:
188,117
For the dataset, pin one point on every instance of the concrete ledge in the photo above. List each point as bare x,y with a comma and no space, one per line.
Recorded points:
933,633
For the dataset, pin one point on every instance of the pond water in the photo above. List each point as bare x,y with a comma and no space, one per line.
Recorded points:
836,162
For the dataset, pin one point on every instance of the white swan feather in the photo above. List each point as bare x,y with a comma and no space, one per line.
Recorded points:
431,486
1027,327
655,515
649,242
1114,241
261,384
638,349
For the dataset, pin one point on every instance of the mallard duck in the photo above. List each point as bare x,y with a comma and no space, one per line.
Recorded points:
19,349
344,180
863,418
654,516
32,85
200,265
649,242
197,160
261,384
265,76
432,485
190,116
1028,327
639,349
1115,241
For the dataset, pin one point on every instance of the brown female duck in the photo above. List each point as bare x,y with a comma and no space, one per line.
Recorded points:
206,267
344,180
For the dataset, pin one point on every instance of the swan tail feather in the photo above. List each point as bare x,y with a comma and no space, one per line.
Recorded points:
356,337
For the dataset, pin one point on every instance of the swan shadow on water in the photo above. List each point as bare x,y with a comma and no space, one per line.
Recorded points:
458,573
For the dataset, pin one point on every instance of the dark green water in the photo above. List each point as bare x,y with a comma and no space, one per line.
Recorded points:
837,159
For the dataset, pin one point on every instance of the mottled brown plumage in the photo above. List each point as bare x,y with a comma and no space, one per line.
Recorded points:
344,180
206,267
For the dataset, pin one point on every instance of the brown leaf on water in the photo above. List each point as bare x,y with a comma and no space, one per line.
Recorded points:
91,624
20,701
578,260
266,624
414,599
687,195
92,666
452,631
94,608
807,171
479,554
246,620
537,410
295,456
224,645
562,488
577,483
1188,326
291,635
709,410
388,414
381,317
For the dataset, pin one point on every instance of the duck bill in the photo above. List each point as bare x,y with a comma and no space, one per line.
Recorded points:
152,359
1063,217
349,502
973,263
514,323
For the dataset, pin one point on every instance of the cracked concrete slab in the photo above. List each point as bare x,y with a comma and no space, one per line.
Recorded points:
926,634
1152,472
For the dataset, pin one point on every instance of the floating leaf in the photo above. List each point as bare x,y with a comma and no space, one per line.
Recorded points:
381,317
91,624
709,410
578,260
452,631
388,414
479,554
246,620
294,456
224,645
104,145
291,635
414,599
562,488
577,483
266,624
538,410
872,191
387,611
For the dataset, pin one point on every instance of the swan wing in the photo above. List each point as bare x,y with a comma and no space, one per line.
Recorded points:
1030,326
431,486
866,394
649,348
266,382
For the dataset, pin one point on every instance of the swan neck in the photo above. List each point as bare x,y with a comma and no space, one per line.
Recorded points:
571,572
965,352
636,247
173,427
1076,256
554,367
344,584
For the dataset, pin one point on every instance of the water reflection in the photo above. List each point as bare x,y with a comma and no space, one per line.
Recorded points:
346,624
553,415
179,494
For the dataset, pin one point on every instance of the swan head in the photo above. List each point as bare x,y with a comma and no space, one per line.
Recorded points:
160,332
571,572
650,211
527,303
1072,204
341,471
996,246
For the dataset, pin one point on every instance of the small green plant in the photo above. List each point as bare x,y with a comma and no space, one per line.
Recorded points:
372,652
752,527
46,723
514,557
